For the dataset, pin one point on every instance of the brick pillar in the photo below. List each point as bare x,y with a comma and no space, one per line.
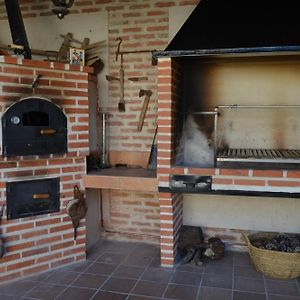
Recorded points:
170,204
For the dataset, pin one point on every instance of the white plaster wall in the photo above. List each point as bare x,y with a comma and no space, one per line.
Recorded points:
240,212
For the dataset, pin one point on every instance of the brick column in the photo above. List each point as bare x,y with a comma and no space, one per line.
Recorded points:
170,204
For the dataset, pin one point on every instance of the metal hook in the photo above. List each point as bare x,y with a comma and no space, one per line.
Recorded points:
119,46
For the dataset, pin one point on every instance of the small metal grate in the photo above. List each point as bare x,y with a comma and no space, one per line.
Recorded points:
237,154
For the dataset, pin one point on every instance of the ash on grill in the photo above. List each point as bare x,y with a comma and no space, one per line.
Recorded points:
281,242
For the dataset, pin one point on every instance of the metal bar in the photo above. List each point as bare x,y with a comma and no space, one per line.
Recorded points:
275,50
215,134
204,113
48,131
257,106
17,28
136,51
104,162
40,196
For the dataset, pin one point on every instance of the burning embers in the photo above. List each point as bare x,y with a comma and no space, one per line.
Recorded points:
34,126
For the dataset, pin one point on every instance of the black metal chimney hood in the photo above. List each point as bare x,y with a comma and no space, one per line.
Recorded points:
218,27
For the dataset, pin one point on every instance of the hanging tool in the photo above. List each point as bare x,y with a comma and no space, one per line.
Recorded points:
36,81
77,209
2,247
147,94
152,161
121,104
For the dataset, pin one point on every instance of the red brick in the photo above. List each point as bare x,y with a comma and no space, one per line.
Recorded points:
22,173
20,265
204,172
62,262
16,89
74,251
48,257
60,228
10,257
31,234
36,269
293,174
10,60
49,240
48,222
8,165
9,79
75,76
282,183
32,163
267,173
75,93
222,181
63,83
46,91
49,74
10,276
251,182
19,227
34,252
233,172
19,246
36,63
62,245
17,70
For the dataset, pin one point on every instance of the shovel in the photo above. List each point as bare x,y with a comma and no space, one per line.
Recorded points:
121,104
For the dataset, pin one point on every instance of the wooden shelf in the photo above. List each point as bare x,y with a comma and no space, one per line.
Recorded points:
130,179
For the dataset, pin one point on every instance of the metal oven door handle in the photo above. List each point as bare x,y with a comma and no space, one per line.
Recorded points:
49,131
40,196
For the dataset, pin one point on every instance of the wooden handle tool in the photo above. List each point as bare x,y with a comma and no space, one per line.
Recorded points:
147,94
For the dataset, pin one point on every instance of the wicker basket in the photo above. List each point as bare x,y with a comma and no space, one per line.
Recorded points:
274,264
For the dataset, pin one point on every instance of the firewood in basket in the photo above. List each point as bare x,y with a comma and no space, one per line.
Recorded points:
77,209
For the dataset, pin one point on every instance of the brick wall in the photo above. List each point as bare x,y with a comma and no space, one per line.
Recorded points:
143,24
43,242
131,215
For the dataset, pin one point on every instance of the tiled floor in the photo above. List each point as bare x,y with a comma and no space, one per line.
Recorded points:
131,271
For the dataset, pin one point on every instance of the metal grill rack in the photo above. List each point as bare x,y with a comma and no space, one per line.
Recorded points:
258,155
232,155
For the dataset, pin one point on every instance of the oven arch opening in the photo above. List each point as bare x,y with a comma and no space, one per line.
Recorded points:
34,126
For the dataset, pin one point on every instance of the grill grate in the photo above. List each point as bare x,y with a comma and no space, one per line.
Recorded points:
237,154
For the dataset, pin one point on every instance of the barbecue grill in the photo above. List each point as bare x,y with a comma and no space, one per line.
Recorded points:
231,156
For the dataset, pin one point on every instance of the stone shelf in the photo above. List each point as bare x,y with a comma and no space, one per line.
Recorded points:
122,178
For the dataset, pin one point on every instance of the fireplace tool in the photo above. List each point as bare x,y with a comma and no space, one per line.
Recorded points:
121,104
2,248
17,28
104,155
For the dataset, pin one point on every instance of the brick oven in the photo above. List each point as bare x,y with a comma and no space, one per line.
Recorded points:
228,108
44,115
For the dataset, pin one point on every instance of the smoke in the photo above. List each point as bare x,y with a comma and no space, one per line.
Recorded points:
194,149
